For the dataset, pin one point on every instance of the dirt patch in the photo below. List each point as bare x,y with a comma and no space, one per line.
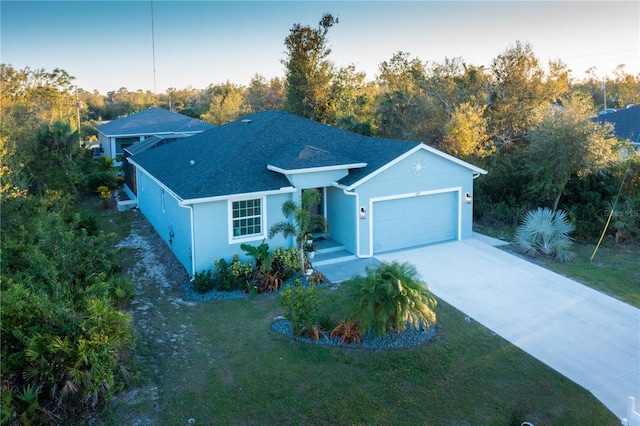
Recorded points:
159,301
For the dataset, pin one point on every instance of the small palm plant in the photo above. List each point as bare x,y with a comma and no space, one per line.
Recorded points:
544,231
389,298
304,223
623,220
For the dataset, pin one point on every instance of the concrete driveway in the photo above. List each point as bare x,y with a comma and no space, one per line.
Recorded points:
588,337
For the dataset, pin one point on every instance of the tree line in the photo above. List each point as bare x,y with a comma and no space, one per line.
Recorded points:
64,329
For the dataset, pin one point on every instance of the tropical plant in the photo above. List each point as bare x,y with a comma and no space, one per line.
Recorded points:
623,219
314,331
19,408
262,260
347,332
544,231
265,277
304,223
122,289
318,277
300,305
310,246
389,298
270,281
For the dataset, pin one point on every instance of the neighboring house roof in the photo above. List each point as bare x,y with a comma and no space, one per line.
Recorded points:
153,121
240,157
153,142
626,122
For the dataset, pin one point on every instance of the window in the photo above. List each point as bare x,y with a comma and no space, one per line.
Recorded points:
247,218
122,143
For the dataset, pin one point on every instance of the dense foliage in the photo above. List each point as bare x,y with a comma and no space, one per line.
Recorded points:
63,332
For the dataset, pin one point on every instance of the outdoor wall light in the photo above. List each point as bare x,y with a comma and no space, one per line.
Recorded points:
363,213
467,198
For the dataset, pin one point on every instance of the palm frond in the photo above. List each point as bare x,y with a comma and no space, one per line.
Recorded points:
389,298
544,231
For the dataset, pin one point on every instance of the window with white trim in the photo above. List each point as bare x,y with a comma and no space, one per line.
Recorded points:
246,218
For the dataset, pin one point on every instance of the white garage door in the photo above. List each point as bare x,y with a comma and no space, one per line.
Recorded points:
414,221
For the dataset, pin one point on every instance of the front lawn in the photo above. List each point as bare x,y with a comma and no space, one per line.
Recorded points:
218,362
236,371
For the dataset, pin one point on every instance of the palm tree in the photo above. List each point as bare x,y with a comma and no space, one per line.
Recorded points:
389,298
545,231
304,223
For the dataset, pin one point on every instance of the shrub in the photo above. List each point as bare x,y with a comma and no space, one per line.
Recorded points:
300,306
203,281
390,297
105,195
232,276
544,231
286,262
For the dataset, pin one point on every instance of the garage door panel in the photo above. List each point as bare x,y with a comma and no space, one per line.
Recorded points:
414,221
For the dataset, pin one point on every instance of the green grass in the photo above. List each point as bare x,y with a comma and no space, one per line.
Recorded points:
613,271
233,370
218,362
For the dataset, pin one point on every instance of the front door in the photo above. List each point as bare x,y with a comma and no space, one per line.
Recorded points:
318,209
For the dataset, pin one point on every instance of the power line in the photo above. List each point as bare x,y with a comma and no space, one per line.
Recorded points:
153,48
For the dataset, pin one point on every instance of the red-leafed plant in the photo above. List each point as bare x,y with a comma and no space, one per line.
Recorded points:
347,332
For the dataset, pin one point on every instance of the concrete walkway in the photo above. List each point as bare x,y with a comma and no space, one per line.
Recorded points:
583,334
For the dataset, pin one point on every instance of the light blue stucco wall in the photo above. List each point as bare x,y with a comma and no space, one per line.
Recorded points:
212,226
172,219
403,178
341,214
211,239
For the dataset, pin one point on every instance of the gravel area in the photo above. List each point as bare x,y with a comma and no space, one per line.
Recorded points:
191,294
411,337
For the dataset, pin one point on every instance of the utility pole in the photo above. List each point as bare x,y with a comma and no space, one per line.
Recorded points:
78,107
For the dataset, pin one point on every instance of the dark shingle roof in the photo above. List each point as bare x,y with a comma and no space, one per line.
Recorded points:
295,157
626,123
153,121
148,143
233,158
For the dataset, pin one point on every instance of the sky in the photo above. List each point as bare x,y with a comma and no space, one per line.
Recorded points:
107,45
